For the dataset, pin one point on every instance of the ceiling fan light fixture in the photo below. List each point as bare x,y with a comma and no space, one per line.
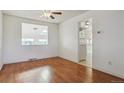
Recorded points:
45,13
49,14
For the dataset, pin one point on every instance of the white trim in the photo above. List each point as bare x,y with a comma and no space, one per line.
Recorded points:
109,72
27,60
1,66
85,65
100,69
96,68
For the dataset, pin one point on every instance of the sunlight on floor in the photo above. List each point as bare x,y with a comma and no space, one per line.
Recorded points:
38,75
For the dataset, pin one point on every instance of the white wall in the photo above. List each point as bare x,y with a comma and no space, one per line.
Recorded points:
68,40
107,46
1,34
15,52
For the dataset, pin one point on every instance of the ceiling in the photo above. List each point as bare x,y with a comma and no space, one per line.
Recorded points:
35,14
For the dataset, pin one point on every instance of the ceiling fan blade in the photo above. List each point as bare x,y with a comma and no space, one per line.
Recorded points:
58,13
52,17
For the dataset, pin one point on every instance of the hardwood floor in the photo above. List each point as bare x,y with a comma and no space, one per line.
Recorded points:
56,70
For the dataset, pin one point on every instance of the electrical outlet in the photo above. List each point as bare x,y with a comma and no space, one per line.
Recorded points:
98,32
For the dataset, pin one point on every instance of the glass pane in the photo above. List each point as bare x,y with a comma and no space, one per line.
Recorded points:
33,34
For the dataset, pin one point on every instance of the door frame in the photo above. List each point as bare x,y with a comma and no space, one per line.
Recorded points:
79,43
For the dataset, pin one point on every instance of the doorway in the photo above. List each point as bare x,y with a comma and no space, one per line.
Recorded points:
85,42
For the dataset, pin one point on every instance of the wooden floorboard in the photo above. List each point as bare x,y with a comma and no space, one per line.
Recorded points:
54,70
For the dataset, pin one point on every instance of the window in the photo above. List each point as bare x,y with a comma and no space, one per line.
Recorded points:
33,34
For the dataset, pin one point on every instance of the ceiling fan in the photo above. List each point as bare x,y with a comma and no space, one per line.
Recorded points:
50,14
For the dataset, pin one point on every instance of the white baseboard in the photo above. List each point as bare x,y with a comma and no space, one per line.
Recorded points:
109,72
101,69
19,61
75,61
1,66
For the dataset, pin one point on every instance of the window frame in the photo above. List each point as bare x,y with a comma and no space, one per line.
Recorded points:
32,38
